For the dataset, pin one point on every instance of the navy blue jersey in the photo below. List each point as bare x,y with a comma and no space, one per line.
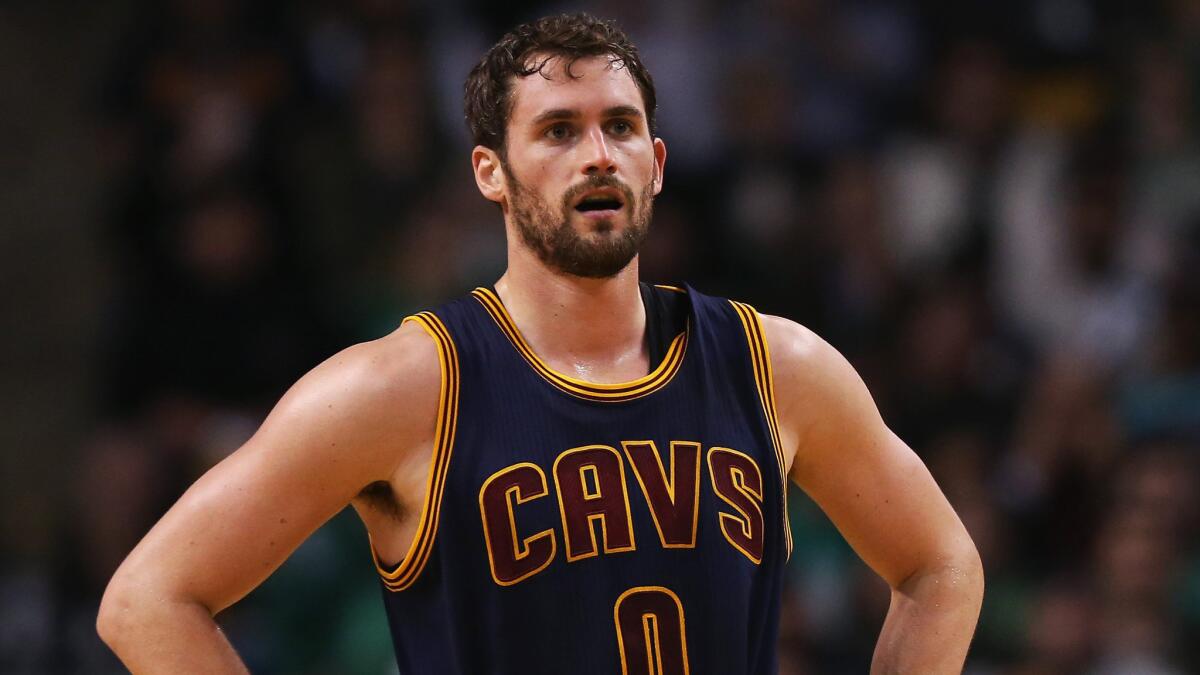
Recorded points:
573,527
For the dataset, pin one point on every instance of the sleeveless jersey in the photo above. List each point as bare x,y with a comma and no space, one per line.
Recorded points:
573,527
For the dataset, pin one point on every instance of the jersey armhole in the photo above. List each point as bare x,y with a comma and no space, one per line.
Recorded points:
760,358
404,573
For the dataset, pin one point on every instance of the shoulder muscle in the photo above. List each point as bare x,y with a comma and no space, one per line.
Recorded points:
371,402
343,426
820,396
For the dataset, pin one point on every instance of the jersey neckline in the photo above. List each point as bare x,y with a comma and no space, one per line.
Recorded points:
592,391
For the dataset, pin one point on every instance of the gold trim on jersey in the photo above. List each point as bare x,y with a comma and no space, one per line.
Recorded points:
764,379
402,575
611,393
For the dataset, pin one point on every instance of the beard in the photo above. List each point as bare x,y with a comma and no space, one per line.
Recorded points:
598,254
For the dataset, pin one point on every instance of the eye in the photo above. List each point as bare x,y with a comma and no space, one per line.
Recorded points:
558,132
621,127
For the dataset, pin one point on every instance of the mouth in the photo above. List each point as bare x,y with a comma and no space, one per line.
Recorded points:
603,203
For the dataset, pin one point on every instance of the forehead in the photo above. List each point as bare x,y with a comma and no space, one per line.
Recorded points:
593,82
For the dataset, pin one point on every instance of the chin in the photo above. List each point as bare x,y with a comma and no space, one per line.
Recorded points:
601,225
593,272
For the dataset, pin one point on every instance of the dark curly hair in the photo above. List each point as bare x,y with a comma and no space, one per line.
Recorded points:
525,50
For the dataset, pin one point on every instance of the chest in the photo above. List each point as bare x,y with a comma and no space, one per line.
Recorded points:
540,480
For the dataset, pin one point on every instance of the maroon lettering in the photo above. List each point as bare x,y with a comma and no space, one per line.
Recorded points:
738,482
513,558
673,503
591,487
651,635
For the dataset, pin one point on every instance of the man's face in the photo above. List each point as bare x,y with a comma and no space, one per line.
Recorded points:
581,169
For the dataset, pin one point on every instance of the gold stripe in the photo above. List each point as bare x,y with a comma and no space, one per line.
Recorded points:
760,357
769,388
624,391
501,314
762,373
448,429
670,288
765,377
404,573
400,573
407,571
394,574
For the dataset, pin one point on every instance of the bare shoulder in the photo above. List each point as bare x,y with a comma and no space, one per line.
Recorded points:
402,367
801,359
791,342
818,392
371,398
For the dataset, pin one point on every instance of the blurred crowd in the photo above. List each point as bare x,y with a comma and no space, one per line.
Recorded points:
992,208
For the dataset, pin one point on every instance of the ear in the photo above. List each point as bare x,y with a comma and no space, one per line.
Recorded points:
660,161
489,174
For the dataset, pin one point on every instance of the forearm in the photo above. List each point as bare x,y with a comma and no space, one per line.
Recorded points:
930,622
164,636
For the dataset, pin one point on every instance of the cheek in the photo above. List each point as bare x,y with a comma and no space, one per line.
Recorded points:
643,161
542,174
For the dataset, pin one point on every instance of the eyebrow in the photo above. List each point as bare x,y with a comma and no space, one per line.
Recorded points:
567,114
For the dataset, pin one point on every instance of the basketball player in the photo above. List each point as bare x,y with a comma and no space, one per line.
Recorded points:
568,472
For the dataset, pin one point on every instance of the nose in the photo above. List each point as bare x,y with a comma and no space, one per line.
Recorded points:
599,156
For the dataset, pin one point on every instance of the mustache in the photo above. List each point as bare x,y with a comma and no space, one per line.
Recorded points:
596,182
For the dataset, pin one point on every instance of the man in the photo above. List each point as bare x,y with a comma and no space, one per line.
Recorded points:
569,472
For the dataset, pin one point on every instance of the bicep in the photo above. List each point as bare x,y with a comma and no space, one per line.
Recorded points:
883,500
236,524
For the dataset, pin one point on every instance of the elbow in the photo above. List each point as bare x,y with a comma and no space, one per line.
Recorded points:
139,609
125,609
953,577
113,619
973,577
963,574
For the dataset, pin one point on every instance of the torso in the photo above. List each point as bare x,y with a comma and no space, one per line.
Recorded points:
545,456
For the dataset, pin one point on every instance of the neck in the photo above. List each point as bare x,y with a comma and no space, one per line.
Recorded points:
593,329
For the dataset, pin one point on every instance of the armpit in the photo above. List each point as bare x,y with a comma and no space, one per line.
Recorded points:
380,497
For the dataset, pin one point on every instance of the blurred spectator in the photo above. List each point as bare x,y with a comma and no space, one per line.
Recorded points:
1160,396
228,322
